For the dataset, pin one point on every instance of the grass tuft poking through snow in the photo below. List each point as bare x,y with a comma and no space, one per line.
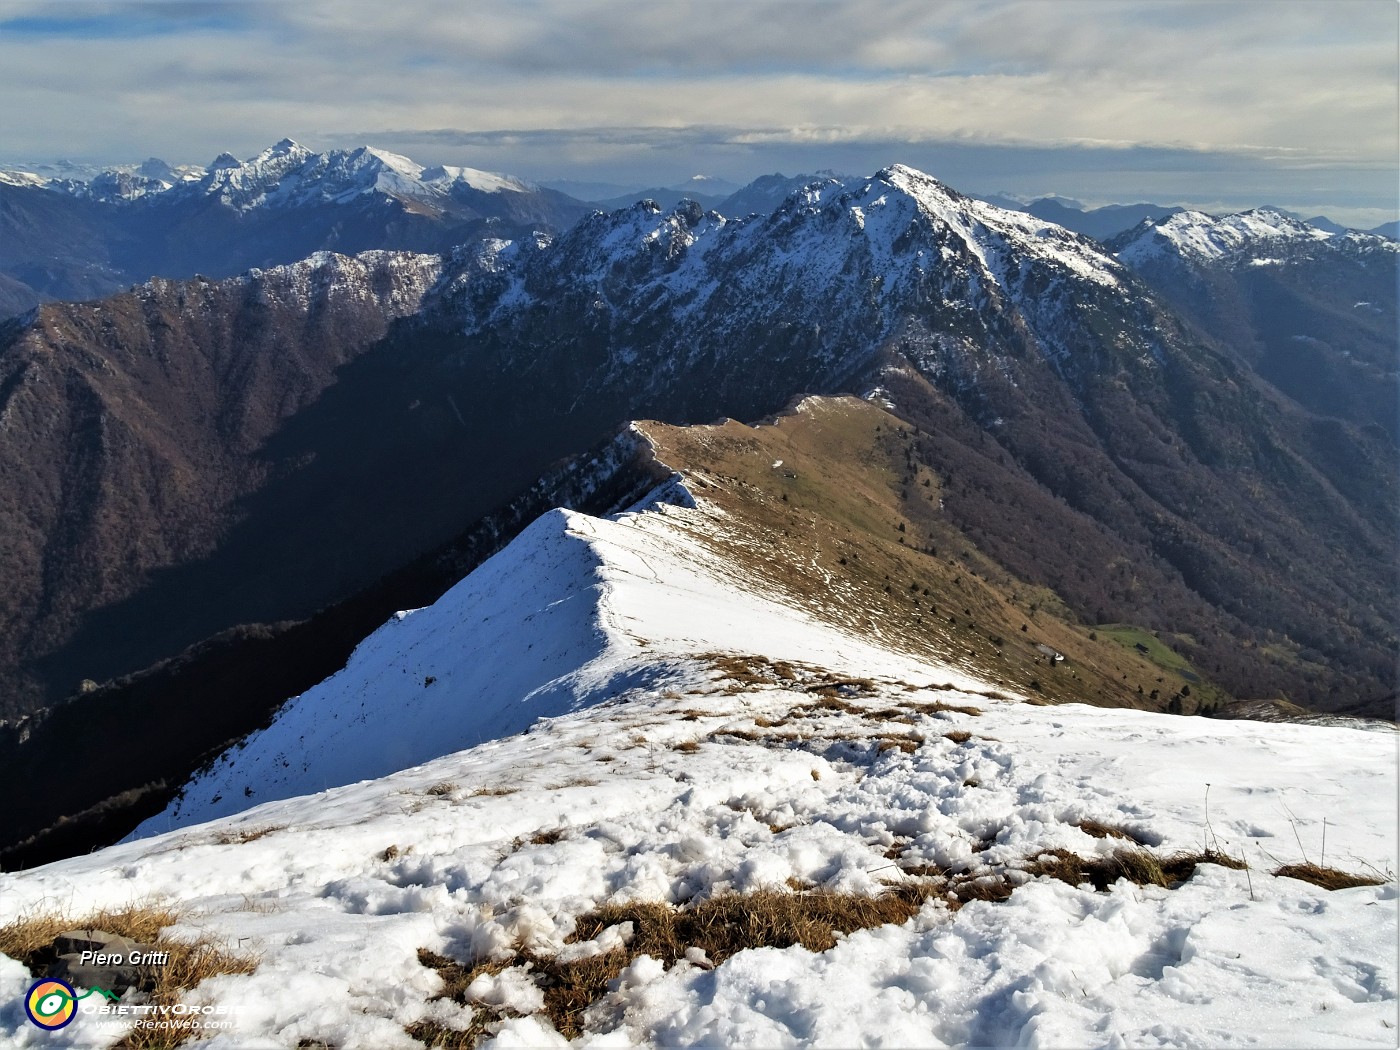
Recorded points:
704,933
1097,829
1327,878
1138,866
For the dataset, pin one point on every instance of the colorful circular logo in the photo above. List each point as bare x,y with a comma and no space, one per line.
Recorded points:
51,1003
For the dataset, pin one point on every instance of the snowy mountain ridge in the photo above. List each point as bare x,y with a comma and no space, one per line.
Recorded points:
286,174
610,714
289,174
119,182
1199,237
997,235
848,265
395,283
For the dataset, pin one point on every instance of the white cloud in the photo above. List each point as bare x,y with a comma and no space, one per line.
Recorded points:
1297,85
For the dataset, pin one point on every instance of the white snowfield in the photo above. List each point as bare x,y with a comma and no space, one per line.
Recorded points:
578,743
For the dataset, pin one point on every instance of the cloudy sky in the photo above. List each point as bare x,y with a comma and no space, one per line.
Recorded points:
1216,104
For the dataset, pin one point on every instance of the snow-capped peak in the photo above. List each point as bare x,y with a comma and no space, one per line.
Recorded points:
285,147
249,183
1199,236
486,181
22,178
289,173
999,238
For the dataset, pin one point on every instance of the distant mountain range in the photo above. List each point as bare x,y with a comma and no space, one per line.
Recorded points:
72,232
526,350
1169,434
1108,221
1313,312
66,238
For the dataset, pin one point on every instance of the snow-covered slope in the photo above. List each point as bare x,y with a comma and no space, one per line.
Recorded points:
575,611
688,737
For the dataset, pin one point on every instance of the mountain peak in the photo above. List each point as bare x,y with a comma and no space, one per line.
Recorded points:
998,238
910,179
1203,237
286,148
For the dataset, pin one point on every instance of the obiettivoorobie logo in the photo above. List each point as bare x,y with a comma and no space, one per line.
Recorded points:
51,1003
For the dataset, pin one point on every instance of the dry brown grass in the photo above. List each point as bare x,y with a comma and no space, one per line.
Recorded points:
236,837
30,940
489,792
936,706
1136,865
898,744
734,922
827,702
1099,830
958,736
688,747
992,888
720,926
924,871
891,714
1327,878
747,669
835,687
